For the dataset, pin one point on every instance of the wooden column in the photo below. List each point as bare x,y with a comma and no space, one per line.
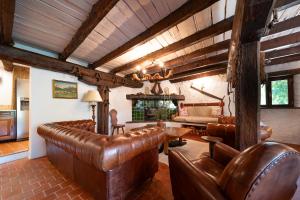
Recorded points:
247,93
103,110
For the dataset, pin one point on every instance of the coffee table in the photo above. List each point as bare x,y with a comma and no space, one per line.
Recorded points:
212,141
173,133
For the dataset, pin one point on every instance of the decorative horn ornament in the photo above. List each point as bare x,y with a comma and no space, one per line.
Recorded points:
135,77
142,75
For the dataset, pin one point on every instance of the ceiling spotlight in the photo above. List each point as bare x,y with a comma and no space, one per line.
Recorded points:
138,68
161,64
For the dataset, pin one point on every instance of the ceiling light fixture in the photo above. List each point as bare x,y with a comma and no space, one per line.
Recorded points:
141,74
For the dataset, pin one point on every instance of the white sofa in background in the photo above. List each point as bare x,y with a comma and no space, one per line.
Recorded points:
200,114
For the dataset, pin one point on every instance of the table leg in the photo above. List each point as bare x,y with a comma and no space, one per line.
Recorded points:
166,146
180,140
211,149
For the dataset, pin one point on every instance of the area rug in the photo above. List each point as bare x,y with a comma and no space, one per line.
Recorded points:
193,149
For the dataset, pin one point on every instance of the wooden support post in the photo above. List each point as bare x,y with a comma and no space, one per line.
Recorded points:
247,93
103,111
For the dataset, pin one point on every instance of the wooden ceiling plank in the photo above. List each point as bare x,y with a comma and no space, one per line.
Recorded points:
174,18
280,41
202,35
7,11
98,12
52,64
288,24
201,75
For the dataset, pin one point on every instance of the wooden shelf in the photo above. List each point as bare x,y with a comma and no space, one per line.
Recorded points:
155,97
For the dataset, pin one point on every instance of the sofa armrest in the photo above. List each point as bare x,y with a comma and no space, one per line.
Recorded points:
188,182
223,153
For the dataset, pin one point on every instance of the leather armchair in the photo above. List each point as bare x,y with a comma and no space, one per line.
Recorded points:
264,171
225,129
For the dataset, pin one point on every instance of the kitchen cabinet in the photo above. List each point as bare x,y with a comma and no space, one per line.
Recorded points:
7,125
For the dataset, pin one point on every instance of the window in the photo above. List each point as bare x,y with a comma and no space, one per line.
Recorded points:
277,92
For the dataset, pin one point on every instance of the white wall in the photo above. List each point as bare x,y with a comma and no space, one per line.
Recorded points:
216,85
5,86
285,122
44,108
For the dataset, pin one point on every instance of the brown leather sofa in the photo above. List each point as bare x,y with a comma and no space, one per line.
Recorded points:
266,171
225,129
108,167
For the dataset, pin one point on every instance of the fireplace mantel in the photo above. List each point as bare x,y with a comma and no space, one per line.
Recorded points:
155,97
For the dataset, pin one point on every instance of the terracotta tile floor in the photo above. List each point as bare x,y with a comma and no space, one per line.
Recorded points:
9,148
38,179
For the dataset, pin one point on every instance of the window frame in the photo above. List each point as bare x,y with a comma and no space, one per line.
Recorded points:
268,88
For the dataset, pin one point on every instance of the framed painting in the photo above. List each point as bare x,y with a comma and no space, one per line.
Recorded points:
64,89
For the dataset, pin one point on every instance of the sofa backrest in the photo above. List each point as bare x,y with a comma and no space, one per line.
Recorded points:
87,124
102,151
264,171
199,111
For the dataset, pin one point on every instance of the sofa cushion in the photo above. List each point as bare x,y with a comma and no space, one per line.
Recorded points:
199,111
180,118
201,119
196,119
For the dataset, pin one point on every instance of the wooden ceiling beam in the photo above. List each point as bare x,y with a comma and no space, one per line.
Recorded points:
200,69
98,12
221,58
284,72
278,27
185,11
282,52
201,75
8,66
284,4
7,12
216,29
285,59
288,24
179,61
89,76
280,41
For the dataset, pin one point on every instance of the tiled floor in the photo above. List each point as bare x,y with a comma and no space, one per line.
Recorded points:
9,148
38,179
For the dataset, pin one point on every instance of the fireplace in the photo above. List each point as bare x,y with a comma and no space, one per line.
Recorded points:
154,107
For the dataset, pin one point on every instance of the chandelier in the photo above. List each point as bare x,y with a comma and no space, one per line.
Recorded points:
141,74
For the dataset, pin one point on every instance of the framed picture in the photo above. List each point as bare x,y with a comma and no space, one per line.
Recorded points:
64,89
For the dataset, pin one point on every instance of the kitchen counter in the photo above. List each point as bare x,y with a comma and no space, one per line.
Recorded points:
7,110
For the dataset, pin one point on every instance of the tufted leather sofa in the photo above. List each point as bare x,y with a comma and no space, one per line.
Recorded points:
108,167
264,171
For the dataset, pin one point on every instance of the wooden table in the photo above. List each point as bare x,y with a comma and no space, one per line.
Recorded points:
173,133
212,141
